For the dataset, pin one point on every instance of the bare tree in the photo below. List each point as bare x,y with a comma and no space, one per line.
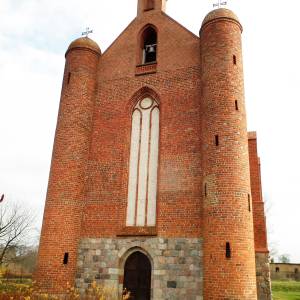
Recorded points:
15,227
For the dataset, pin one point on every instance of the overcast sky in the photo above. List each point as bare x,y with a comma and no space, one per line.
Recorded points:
34,35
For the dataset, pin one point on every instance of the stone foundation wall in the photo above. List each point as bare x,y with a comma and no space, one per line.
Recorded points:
263,279
177,270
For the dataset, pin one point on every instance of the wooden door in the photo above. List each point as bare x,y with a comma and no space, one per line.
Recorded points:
137,276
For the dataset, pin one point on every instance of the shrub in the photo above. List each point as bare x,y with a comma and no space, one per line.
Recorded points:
12,290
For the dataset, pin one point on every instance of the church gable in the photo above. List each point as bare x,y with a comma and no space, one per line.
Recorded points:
176,47
170,69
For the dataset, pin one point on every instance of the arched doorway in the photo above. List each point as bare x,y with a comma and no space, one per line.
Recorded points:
137,276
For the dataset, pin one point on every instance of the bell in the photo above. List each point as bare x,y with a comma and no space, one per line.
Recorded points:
150,49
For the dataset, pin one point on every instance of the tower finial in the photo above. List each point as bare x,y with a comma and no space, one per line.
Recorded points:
220,4
87,32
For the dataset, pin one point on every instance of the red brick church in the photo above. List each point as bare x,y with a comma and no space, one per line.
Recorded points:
155,182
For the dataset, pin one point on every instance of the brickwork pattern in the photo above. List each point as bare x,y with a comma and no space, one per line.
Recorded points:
64,205
176,87
176,265
260,230
226,175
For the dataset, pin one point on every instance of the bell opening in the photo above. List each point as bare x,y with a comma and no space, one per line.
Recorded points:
149,45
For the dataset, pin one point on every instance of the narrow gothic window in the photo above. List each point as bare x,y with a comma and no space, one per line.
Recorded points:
142,183
234,59
69,77
66,258
149,45
228,250
217,140
249,202
236,105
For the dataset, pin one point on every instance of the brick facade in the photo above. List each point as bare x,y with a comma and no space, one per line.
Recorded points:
263,279
226,174
203,189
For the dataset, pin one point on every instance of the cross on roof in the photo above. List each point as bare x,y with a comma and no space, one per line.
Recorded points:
220,4
87,32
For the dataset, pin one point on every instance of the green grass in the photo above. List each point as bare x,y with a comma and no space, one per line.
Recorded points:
286,290
286,295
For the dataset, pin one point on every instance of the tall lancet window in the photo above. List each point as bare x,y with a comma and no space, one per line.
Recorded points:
142,183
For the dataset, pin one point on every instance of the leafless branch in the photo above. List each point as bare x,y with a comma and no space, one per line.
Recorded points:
15,225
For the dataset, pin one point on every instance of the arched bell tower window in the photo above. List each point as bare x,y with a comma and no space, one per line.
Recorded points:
143,164
149,5
149,45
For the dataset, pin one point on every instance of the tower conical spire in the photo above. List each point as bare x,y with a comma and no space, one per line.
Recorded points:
148,5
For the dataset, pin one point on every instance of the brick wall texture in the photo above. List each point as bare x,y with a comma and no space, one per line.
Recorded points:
203,188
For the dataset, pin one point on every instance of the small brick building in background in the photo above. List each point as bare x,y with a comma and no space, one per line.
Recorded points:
155,183
285,271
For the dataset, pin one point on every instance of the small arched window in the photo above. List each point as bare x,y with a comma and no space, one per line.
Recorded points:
149,5
143,164
149,45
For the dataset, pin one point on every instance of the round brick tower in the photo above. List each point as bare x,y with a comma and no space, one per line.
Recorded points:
229,257
65,196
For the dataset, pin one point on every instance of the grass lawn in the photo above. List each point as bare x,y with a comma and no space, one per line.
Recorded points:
286,290
286,295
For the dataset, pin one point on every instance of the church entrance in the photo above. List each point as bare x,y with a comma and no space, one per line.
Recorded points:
137,276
